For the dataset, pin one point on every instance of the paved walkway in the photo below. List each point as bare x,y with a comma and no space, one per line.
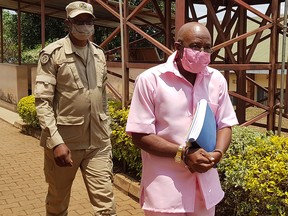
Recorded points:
22,185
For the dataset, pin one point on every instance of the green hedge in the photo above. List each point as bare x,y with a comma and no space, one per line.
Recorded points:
253,172
123,148
27,111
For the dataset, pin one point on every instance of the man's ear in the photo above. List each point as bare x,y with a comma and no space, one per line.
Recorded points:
67,25
66,21
179,48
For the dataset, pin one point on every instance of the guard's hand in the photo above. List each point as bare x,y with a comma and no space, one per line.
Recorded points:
62,155
198,160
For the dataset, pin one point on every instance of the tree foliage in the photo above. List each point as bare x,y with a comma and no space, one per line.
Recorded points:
31,30
10,40
55,29
30,33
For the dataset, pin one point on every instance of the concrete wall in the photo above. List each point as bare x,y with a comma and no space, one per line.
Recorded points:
13,82
33,78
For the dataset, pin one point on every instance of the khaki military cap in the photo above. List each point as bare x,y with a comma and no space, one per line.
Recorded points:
78,7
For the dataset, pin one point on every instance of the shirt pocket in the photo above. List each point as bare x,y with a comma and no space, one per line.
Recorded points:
70,127
76,76
68,75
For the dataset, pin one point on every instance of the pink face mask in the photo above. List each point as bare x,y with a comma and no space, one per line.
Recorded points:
195,61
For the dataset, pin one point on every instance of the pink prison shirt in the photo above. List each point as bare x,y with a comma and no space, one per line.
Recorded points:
163,103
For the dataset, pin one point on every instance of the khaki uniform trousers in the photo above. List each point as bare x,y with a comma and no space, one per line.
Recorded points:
96,168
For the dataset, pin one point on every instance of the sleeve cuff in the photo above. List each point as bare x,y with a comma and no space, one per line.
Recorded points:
54,140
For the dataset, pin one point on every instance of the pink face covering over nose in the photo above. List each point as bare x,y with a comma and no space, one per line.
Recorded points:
195,61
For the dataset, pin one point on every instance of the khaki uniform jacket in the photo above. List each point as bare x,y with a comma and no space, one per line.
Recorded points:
70,97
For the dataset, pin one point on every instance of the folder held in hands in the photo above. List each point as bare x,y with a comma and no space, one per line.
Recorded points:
202,131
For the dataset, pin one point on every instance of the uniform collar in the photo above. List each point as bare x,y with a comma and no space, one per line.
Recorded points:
69,46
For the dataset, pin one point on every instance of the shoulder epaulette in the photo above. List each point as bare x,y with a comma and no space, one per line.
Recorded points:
53,46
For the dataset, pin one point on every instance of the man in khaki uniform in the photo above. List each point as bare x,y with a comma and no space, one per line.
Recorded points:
71,107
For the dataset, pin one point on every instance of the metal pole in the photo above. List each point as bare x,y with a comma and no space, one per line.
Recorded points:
281,106
43,23
122,51
19,32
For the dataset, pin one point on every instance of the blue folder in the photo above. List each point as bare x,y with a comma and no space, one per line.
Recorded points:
202,131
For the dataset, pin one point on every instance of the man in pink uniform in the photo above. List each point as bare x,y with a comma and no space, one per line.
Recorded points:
162,108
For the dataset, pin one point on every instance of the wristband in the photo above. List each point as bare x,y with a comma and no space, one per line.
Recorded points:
220,151
178,156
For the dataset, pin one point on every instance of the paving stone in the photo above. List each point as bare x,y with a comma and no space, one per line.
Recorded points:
23,187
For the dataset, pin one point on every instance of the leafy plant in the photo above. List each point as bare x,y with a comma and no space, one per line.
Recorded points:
27,111
123,148
254,174
32,55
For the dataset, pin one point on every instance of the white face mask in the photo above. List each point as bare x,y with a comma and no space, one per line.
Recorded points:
82,32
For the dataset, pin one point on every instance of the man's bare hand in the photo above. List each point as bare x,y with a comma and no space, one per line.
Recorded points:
198,160
62,155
